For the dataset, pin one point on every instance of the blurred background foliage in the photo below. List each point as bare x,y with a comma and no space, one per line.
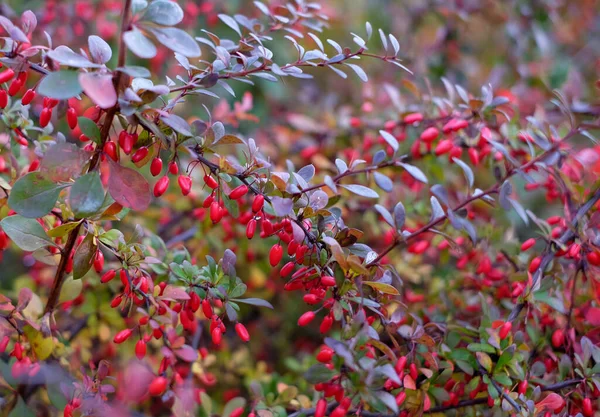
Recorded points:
524,49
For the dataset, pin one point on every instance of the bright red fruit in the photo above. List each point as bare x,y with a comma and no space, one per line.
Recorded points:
443,147
122,336
242,332
275,254
210,182
28,97
528,244
306,318
139,154
593,258
3,99
321,408
558,338
158,386
45,116
110,148
156,166
108,276
161,186
505,330
257,203
72,118
140,349
429,134
6,75
238,192
185,184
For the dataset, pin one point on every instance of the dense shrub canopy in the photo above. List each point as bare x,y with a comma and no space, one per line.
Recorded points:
296,209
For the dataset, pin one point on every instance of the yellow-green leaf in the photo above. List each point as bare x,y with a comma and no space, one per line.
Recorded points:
381,287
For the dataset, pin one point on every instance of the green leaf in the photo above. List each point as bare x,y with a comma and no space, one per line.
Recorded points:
319,373
87,195
89,128
259,302
484,360
60,85
26,233
84,257
33,195
163,12
237,402
481,347
382,287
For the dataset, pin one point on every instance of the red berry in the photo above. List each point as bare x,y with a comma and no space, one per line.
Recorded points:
238,192
28,97
251,228
14,87
306,318
257,203
72,118
185,184
587,408
593,258
242,332
3,99
400,398
216,214
207,308
99,261
443,147
210,182
505,329
122,336
108,276
156,166
173,168
140,349
139,155
45,116
325,355
326,324
110,148
558,338
6,75
535,264
275,254
411,118
321,408
217,335
429,134
522,389
327,281
287,269
158,386
161,186
527,244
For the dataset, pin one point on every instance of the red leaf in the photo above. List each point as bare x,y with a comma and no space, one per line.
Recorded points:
550,403
592,315
128,187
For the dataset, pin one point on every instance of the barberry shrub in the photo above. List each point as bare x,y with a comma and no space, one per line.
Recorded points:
387,242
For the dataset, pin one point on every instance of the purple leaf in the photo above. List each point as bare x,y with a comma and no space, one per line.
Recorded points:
99,88
128,187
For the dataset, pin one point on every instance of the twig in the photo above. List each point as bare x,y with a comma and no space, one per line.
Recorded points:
59,277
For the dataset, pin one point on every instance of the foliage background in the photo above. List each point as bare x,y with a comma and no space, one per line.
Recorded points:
527,48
